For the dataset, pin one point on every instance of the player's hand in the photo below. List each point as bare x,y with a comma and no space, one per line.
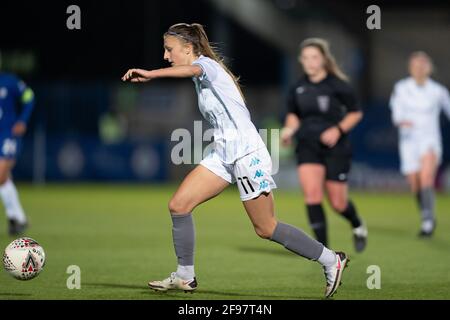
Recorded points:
405,124
137,75
19,129
330,137
286,136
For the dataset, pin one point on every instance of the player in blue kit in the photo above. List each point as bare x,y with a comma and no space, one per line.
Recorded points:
16,105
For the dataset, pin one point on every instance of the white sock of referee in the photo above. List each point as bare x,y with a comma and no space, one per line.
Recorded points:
10,198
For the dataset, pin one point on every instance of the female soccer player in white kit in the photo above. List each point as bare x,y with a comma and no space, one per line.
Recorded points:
416,104
239,156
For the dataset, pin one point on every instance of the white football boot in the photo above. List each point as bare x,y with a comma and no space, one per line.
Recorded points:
333,274
174,283
427,229
360,238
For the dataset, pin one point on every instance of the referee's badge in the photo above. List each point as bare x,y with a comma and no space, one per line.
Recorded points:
324,103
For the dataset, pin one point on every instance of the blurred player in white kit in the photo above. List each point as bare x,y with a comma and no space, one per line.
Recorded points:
416,104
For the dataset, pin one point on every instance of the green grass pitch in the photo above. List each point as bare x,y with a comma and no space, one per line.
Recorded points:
120,237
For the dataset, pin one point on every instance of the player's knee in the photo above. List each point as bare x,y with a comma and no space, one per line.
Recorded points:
339,204
314,196
263,233
427,181
177,206
266,231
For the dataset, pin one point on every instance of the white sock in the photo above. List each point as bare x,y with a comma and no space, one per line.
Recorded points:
186,272
427,225
327,258
10,198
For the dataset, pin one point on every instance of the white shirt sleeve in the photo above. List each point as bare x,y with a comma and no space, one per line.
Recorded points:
209,68
445,102
397,105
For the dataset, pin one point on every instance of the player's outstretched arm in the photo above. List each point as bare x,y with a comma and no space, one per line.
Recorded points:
140,75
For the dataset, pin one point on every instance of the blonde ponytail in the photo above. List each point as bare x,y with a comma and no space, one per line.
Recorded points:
195,34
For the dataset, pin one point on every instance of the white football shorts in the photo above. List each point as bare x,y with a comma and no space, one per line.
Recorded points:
252,172
412,151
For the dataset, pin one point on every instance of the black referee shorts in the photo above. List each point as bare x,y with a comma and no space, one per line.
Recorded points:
336,160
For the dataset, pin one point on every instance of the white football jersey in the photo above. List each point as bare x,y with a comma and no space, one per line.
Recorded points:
222,105
421,105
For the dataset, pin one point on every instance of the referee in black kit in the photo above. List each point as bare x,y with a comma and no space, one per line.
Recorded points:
322,110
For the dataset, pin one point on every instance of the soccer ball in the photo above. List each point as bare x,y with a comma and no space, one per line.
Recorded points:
24,259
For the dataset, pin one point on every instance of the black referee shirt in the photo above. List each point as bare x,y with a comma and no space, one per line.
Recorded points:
321,105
